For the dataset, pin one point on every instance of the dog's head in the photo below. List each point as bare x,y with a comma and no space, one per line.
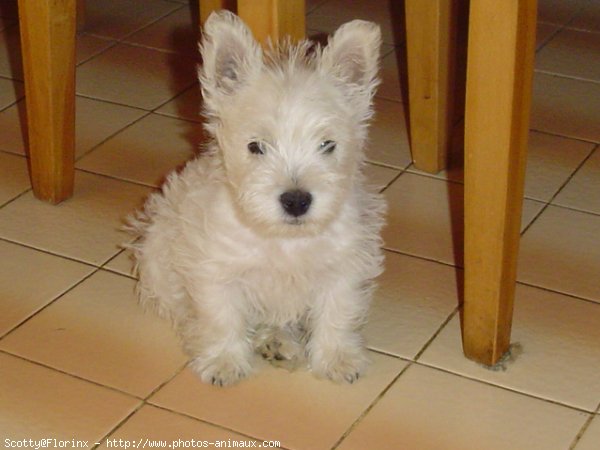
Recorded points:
290,122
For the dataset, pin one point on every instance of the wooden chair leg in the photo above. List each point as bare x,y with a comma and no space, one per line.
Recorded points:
499,77
431,51
48,46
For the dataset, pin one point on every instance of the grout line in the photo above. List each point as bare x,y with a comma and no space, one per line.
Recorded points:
112,43
554,291
524,283
504,388
115,178
558,191
141,405
121,40
564,136
382,189
370,407
119,425
112,135
384,164
437,333
49,252
16,197
71,375
213,424
51,302
423,258
567,76
112,102
581,432
160,50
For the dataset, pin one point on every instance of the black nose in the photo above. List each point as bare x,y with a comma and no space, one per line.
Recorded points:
295,203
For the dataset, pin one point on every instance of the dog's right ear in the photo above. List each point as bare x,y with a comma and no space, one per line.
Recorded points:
229,52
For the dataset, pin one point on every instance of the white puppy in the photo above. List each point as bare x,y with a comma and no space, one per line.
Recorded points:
270,241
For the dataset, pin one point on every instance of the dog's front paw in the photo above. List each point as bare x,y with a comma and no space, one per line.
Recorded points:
224,370
340,364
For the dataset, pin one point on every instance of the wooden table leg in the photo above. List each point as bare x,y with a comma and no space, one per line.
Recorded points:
431,51
499,77
274,18
206,7
266,18
48,47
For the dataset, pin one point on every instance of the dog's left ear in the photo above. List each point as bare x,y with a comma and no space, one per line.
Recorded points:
352,54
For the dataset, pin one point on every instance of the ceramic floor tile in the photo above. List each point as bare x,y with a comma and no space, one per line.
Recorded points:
388,138
88,46
430,410
550,161
118,18
389,73
379,176
560,251
531,209
157,425
136,76
557,340
95,121
572,53
583,190
588,18
312,4
30,279
10,92
292,407
122,263
85,227
544,32
40,403
14,176
146,151
591,437
558,11
98,331
175,32
425,218
412,301
566,106
333,13
187,105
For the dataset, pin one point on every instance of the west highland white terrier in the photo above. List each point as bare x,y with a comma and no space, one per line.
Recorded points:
269,242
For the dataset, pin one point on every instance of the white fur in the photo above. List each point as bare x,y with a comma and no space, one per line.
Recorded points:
217,253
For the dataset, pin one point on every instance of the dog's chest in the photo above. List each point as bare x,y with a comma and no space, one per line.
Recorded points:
284,278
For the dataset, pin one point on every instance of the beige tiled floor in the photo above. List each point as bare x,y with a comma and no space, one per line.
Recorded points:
79,360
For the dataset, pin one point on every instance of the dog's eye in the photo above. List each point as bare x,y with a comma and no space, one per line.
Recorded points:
327,146
256,148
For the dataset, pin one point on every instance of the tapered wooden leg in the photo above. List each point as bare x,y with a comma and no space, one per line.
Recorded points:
208,6
48,46
499,77
430,45
273,18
